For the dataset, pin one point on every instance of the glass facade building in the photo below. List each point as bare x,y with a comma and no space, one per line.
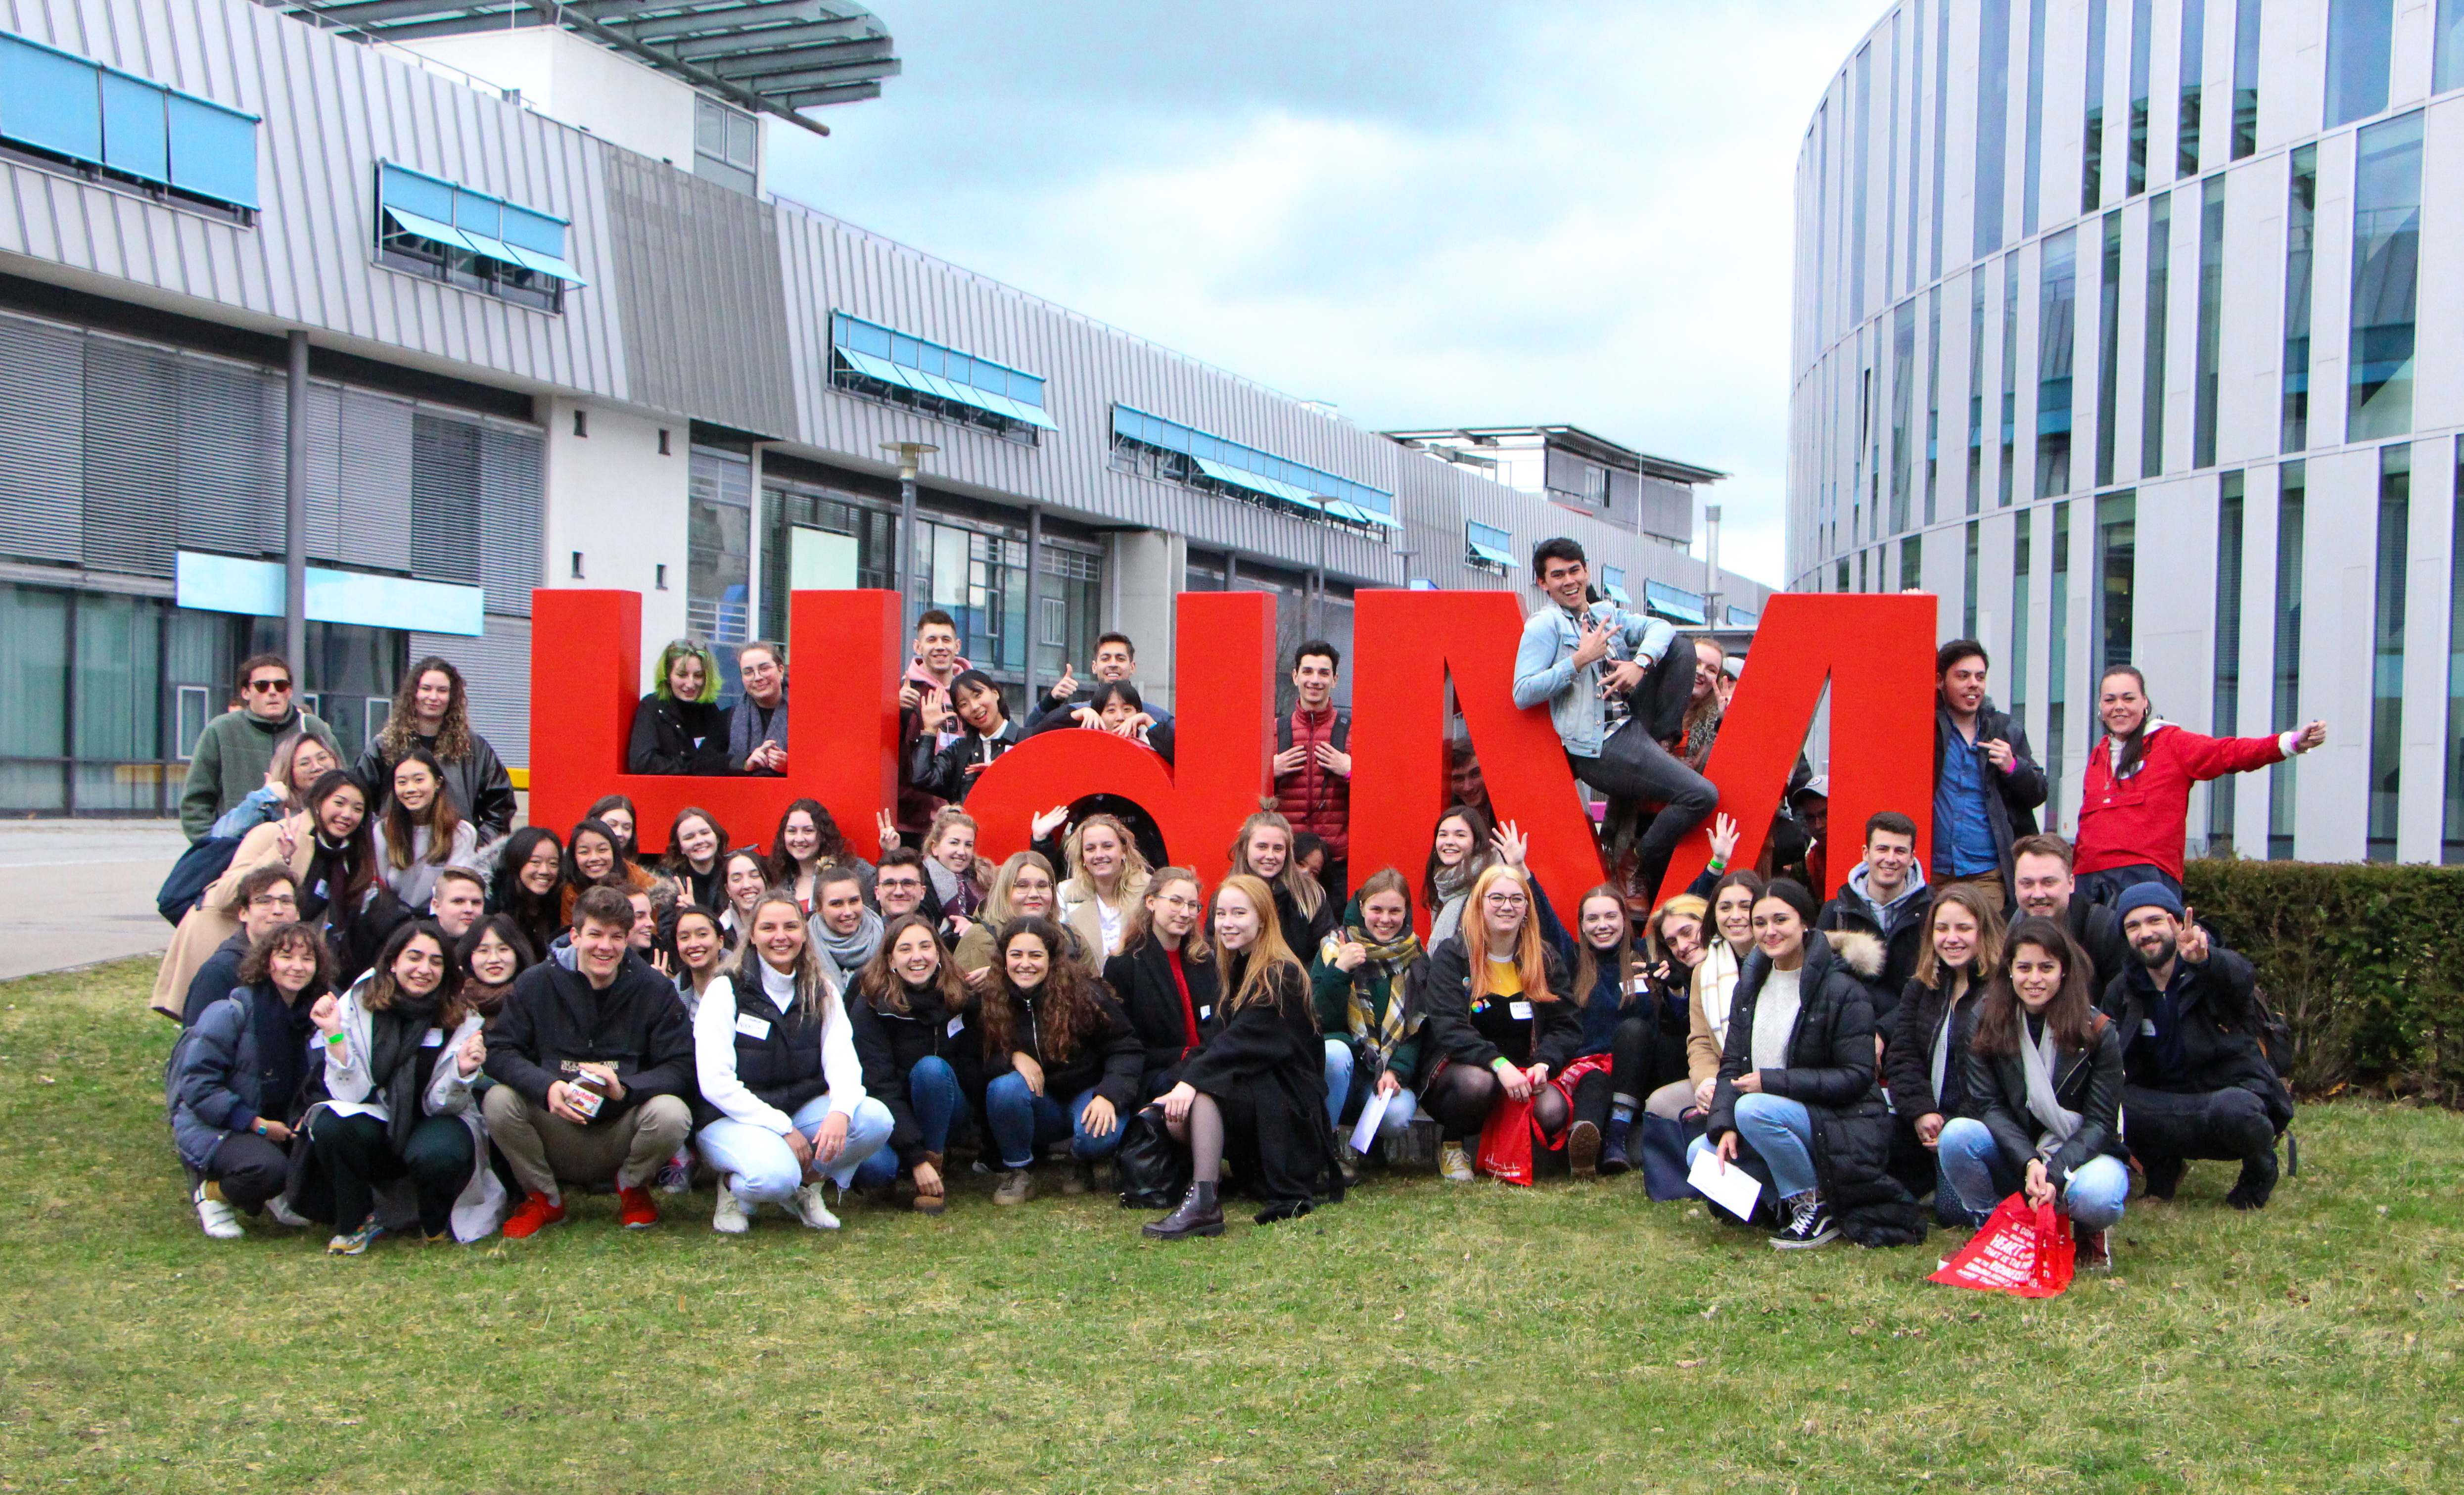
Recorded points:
2190,216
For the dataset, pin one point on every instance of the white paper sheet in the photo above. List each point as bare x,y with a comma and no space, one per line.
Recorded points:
1734,1190
1370,1115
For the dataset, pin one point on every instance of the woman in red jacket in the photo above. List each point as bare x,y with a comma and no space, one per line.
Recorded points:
2137,798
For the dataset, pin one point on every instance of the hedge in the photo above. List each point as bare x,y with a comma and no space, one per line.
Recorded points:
2361,960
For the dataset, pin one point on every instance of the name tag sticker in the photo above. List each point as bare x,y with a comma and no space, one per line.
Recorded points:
434,1038
1520,1007
2147,1027
1205,1012
755,1028
956,1026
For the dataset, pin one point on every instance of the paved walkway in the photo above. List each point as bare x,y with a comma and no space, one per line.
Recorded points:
79,891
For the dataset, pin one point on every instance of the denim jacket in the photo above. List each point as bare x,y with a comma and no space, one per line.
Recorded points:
1544,668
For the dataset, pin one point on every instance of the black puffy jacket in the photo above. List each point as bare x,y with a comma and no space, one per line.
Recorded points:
890,1045
481,788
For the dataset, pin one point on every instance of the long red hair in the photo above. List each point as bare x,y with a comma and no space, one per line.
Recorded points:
1530,961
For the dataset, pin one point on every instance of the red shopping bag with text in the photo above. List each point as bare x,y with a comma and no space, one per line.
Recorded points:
1506,1142
2025,1249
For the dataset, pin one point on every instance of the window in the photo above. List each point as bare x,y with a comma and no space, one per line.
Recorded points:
2032,155
718,548
2285,706
2386,648
2212,292
1612,583
1903,393
1940,122
2092,161
2057,662
2018,663
432,228
871,360
129,131
2359,37
1992,120
2244,123
2446,46
2451,836
2142,25
2116,529
1862,149
1677,605
1153,447
2109,350
1488,548
2225,705
1911,561
1967,586
727,145
1596,485
2186,124
2057,309
2299,214
1933,396
2387,250
2009,377
1975,386
2151,376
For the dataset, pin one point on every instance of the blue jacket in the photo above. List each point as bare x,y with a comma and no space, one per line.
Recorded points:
1544,668
217,1076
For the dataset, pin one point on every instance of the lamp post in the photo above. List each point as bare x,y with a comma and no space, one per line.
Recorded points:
909,453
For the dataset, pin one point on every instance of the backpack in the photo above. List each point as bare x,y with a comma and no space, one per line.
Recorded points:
1339,737
2275,1035
192,874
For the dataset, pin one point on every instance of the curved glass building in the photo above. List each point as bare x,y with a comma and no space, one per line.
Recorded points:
2134,330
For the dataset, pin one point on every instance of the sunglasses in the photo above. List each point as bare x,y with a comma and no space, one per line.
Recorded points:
270,687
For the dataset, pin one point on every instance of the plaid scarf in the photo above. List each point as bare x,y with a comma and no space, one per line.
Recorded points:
1379,1036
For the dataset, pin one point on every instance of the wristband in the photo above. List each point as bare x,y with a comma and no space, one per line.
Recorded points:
1716,866
334,1037
1500,1065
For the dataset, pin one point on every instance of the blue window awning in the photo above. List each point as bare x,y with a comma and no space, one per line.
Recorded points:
213,150
1674,603
511,235
404,221
1618,593
136,138
70,105
941,387
544,264
1265,487
1483,550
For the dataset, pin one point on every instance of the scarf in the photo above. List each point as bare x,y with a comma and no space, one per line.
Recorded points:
484,1000
328,877
2036,1062
1718,976
1942,1037
1379,1036
399,1066
847,953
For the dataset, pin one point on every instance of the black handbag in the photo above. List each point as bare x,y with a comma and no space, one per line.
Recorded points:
1152,1169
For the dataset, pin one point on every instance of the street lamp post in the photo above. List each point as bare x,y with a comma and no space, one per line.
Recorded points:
909,453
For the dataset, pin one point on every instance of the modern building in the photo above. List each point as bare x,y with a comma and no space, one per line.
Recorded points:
2134,329
503,287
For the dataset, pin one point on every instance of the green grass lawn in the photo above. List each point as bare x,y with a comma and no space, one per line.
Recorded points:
1420,1337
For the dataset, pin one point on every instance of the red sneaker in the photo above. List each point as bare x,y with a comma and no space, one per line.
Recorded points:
636,1211
536,1212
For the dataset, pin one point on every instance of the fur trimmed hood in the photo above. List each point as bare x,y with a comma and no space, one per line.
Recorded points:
1858,951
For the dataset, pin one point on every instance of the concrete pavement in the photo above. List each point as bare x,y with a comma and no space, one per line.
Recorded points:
82,890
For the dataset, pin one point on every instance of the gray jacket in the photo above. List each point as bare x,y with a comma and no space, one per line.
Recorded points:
1544,668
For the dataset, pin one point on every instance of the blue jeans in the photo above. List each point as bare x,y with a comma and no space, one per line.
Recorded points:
1778,1130
1023,1123
933,1093
1972,1167
1341,1101
767,1172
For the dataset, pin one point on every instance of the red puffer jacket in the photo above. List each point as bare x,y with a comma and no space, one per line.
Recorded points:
2141,819
1310,797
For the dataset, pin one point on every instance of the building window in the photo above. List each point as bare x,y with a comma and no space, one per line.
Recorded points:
2006,472
1933,397
2212,292
2225,705
106,126
718,548
727,145
2143,24
1861,148
2452,835
871,360
2386,648
1992,120
2056,333
2116,531
2151,372
2193,56
2387,255
1677,605
1612,583
1967,586
2447,66
2018,671
2285,707
1150,446
1903,394
2057,661
1941,124
1911,561
433,229
2109,350
2360,34
2092,158
2245,125
1975,386
1488,547
2299,216
2032,152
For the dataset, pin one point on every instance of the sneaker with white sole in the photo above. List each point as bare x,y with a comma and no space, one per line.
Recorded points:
215,1217
1454,1164
283,1215
807,1204
675,1176
730,1218
1810,1223
357,1242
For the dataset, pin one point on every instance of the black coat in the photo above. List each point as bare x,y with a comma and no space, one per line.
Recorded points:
1902,933
553,1020
1907,1062
2010,806
1142,979
1830,1072
216,979
1303,932
2218,1023
1108,1061
2097,929
481,788
672,737
2086,1081
1442,987
1266,1067
890,1045
943,774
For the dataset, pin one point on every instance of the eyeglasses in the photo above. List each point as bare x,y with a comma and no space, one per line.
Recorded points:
1505,900
274,900
270,687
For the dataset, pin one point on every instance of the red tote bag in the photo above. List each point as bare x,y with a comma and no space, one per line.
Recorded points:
1506,1142
2024,1249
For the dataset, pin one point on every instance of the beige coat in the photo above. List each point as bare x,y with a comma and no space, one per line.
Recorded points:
214,919
1075,901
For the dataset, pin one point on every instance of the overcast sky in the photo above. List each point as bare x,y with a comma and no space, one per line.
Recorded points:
1429,214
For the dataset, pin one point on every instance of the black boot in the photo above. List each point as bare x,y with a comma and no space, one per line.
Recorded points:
1283,1210
1199,1215
2257,1183
2164,1176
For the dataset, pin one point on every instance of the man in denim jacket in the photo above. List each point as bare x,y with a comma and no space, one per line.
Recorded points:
1575,653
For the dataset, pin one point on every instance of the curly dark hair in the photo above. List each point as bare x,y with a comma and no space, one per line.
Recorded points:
1066,1009
257,967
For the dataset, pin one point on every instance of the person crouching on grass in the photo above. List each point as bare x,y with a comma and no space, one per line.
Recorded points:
1500,1018
1053,1030
236,1076
1256,1087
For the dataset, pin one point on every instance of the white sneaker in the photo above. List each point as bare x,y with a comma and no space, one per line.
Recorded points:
807,1204
219,1219
675,1175
729,1218
1454,1163
284,1215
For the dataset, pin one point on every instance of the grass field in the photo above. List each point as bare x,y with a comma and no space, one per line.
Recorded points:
1420,1337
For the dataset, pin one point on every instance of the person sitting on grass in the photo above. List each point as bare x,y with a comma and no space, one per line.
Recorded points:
326,850
400,1050
1619,1013
778,1067
1501,1020
1165,977
2044,1077
1925,1065
913,1021
593,1066
1362,983
1711,995
1648,1046
236,1076
1796,1089
1254,1089
1051,1029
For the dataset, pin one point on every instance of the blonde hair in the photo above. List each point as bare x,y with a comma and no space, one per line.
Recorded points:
997,909
1262,962
1306,893
815,993
1530,962
1136,875
1137,927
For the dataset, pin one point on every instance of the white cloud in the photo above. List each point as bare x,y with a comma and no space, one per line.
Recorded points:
1426,215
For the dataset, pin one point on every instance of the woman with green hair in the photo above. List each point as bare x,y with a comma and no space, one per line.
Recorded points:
678,728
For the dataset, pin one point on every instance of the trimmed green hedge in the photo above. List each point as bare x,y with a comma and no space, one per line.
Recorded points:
2362,960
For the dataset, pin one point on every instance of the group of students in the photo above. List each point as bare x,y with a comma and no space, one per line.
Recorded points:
400,1018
